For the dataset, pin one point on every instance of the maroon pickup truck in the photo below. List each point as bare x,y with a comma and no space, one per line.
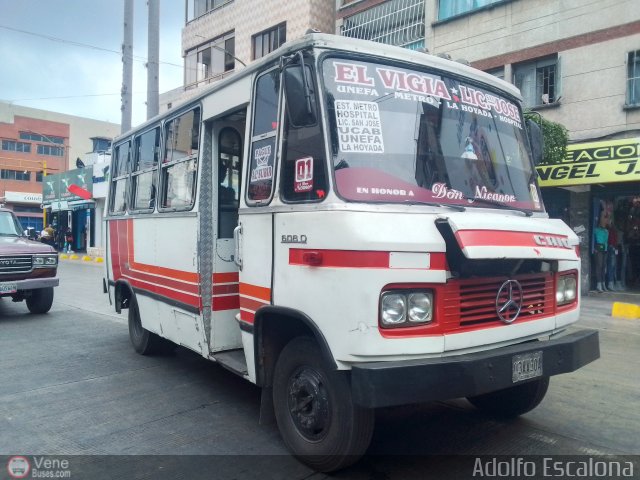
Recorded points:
27,268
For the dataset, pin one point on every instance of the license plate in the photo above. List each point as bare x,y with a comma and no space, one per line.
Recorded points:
8,288
528,365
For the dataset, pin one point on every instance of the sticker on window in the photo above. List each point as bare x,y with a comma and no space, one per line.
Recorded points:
359,126
304,175
262,170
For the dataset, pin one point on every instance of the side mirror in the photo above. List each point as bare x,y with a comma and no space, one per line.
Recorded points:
536,140
300,95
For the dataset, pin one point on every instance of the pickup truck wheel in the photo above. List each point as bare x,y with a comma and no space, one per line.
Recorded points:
145,342
513,401
314,410
40,300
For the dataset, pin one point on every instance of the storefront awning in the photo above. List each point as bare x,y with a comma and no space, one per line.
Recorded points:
63,206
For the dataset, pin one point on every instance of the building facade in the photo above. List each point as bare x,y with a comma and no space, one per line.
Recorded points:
576,63
36,144
221,35
29,149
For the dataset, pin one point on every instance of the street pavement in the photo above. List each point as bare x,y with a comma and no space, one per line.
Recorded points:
71,385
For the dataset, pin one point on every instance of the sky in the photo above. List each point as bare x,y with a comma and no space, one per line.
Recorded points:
64,55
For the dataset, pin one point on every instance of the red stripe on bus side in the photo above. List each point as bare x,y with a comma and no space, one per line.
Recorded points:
355,258
231,302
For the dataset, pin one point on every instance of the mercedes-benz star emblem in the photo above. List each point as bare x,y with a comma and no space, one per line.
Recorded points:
509,301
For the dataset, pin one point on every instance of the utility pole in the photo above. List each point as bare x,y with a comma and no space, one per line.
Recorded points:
127,67
153,91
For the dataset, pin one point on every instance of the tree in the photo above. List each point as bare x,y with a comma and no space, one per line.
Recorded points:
555,136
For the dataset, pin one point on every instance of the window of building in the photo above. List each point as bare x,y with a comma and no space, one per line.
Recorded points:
180,161
143,176
38,176
633,78
268,40
13,146
101,144
50,150
197,8
263,138
539,81
497,72
120,173
396,22
15,175
210,61
452,8
36,137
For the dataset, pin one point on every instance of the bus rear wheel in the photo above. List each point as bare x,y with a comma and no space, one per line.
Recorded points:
513,401
314,410
145,342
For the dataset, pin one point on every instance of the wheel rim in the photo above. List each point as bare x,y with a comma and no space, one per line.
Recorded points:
309,404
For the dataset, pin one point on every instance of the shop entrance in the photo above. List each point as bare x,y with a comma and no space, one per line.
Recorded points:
615,239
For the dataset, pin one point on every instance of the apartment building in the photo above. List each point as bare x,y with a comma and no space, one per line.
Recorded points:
576,63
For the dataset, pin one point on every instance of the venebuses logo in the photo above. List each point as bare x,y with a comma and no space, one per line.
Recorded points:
18,467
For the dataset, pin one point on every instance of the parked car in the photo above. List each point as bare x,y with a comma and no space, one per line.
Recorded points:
28,268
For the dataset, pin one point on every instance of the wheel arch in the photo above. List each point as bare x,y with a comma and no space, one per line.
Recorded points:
123,295
274,327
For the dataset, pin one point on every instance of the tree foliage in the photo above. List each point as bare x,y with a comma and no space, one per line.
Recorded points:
556,137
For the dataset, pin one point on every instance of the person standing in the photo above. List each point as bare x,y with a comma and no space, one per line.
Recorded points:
601,235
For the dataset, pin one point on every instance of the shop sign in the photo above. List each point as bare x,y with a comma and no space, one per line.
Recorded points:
65,186
23,197
595,162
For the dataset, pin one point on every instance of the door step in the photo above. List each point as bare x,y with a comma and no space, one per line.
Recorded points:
233,360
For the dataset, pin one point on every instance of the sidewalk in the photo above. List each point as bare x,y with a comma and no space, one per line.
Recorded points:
623,304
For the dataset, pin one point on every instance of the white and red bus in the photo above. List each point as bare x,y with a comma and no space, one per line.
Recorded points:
348,225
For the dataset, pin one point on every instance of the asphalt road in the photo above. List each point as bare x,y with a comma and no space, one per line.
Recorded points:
72,386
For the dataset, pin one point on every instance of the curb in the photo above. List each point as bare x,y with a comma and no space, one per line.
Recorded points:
84,258
625,310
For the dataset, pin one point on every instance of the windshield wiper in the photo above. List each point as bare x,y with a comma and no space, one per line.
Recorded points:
3,234
458,208
503,206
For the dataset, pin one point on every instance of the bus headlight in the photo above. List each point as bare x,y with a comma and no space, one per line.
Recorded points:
393,309
567,289
403,308
420,307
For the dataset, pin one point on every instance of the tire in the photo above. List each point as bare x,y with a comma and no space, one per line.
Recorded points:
145,342
40,300
513,401
314,410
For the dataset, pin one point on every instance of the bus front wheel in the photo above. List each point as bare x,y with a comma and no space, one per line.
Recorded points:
314,410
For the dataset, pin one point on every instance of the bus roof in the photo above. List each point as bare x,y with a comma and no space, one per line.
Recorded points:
345,44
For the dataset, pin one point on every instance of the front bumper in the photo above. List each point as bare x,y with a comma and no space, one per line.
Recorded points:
383,384
34,283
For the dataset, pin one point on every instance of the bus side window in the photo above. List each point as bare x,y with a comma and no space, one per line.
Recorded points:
143,176
120,175
178,171
263,138
230,153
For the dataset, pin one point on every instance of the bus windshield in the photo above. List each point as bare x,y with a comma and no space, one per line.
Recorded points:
408,136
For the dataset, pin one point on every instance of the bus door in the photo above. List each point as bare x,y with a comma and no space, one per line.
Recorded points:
227,167
254,236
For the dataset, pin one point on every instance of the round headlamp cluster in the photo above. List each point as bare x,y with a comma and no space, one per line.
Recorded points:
404,308
567,289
